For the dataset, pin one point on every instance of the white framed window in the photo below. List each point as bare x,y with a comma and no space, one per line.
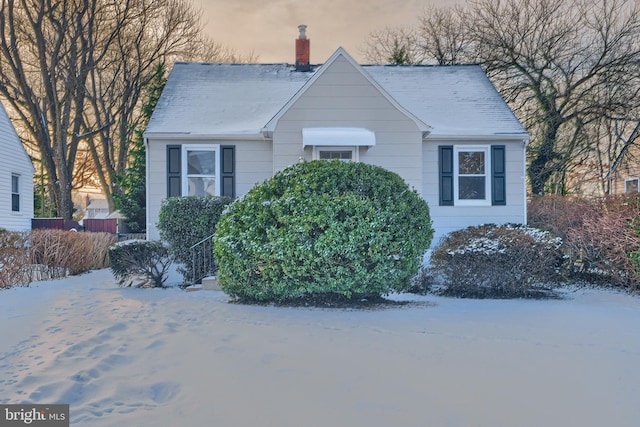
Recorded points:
346,154
200,170
15,192
631,185
471,175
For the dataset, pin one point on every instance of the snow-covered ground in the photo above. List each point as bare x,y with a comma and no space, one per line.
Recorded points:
148,357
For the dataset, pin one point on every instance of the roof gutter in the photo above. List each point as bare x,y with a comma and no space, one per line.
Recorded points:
524,137
186,136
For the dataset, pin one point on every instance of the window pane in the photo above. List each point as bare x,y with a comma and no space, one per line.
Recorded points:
201,163
15,193
202,186
631,186
471,188
15,184
471,162
341,155
175,186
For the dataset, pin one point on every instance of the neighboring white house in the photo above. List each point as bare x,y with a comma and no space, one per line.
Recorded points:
221,128
96,209
16,179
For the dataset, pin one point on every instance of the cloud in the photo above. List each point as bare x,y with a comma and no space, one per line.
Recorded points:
268,29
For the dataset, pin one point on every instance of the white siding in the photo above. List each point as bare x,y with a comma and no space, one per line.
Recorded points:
451,218
253,165
395,103
14,160
343,97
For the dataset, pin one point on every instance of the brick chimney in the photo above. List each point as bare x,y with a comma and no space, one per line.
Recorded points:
302,50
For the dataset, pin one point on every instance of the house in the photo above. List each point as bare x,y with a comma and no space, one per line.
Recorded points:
221,128
96,209
16,179
625,179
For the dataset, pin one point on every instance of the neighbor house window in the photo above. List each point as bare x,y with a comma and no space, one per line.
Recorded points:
472,175
631,185
200,171
347,154
15,193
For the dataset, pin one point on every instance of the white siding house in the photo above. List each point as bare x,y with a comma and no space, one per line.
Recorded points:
16,179
222,128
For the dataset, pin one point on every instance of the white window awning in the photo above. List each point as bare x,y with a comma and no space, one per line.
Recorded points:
338,137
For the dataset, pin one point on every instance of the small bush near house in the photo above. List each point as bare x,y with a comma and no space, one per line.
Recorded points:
322,229
184,221
422,283
601,236
140,263
65,252
490,261
14,259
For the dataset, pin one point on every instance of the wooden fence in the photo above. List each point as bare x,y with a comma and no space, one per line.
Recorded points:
109,225
48,223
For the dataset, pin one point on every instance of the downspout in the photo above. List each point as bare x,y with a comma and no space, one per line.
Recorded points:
525,143
146,186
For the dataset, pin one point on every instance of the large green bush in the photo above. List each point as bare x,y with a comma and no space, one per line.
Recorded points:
323,228
184,221
490,261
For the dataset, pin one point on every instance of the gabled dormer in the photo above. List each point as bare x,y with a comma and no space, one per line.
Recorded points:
343,84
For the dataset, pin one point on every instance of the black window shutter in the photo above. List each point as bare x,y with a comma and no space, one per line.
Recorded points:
228,170
174,167
445,164
498,176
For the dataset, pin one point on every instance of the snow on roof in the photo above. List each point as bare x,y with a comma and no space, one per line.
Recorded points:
215,99
204,99
455,100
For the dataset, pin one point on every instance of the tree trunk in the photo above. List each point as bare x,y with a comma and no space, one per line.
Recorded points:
541,167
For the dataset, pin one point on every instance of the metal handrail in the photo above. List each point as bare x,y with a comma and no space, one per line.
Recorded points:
202,262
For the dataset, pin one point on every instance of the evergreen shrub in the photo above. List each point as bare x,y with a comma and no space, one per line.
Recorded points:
140,263
185,221
490,261
323,229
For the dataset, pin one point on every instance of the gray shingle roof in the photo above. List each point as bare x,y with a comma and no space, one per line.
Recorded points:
214,99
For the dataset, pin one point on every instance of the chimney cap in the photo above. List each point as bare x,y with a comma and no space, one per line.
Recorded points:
303,29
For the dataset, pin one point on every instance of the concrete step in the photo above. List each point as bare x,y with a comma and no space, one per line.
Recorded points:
210,284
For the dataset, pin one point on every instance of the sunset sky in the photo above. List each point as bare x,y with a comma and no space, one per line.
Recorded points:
268,28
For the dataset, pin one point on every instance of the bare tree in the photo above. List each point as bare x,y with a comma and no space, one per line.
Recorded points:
568,68
567,62
393,46
115,85
444,35
72,72
43,72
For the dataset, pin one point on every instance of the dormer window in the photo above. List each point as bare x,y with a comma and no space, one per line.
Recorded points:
346,154
337,143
